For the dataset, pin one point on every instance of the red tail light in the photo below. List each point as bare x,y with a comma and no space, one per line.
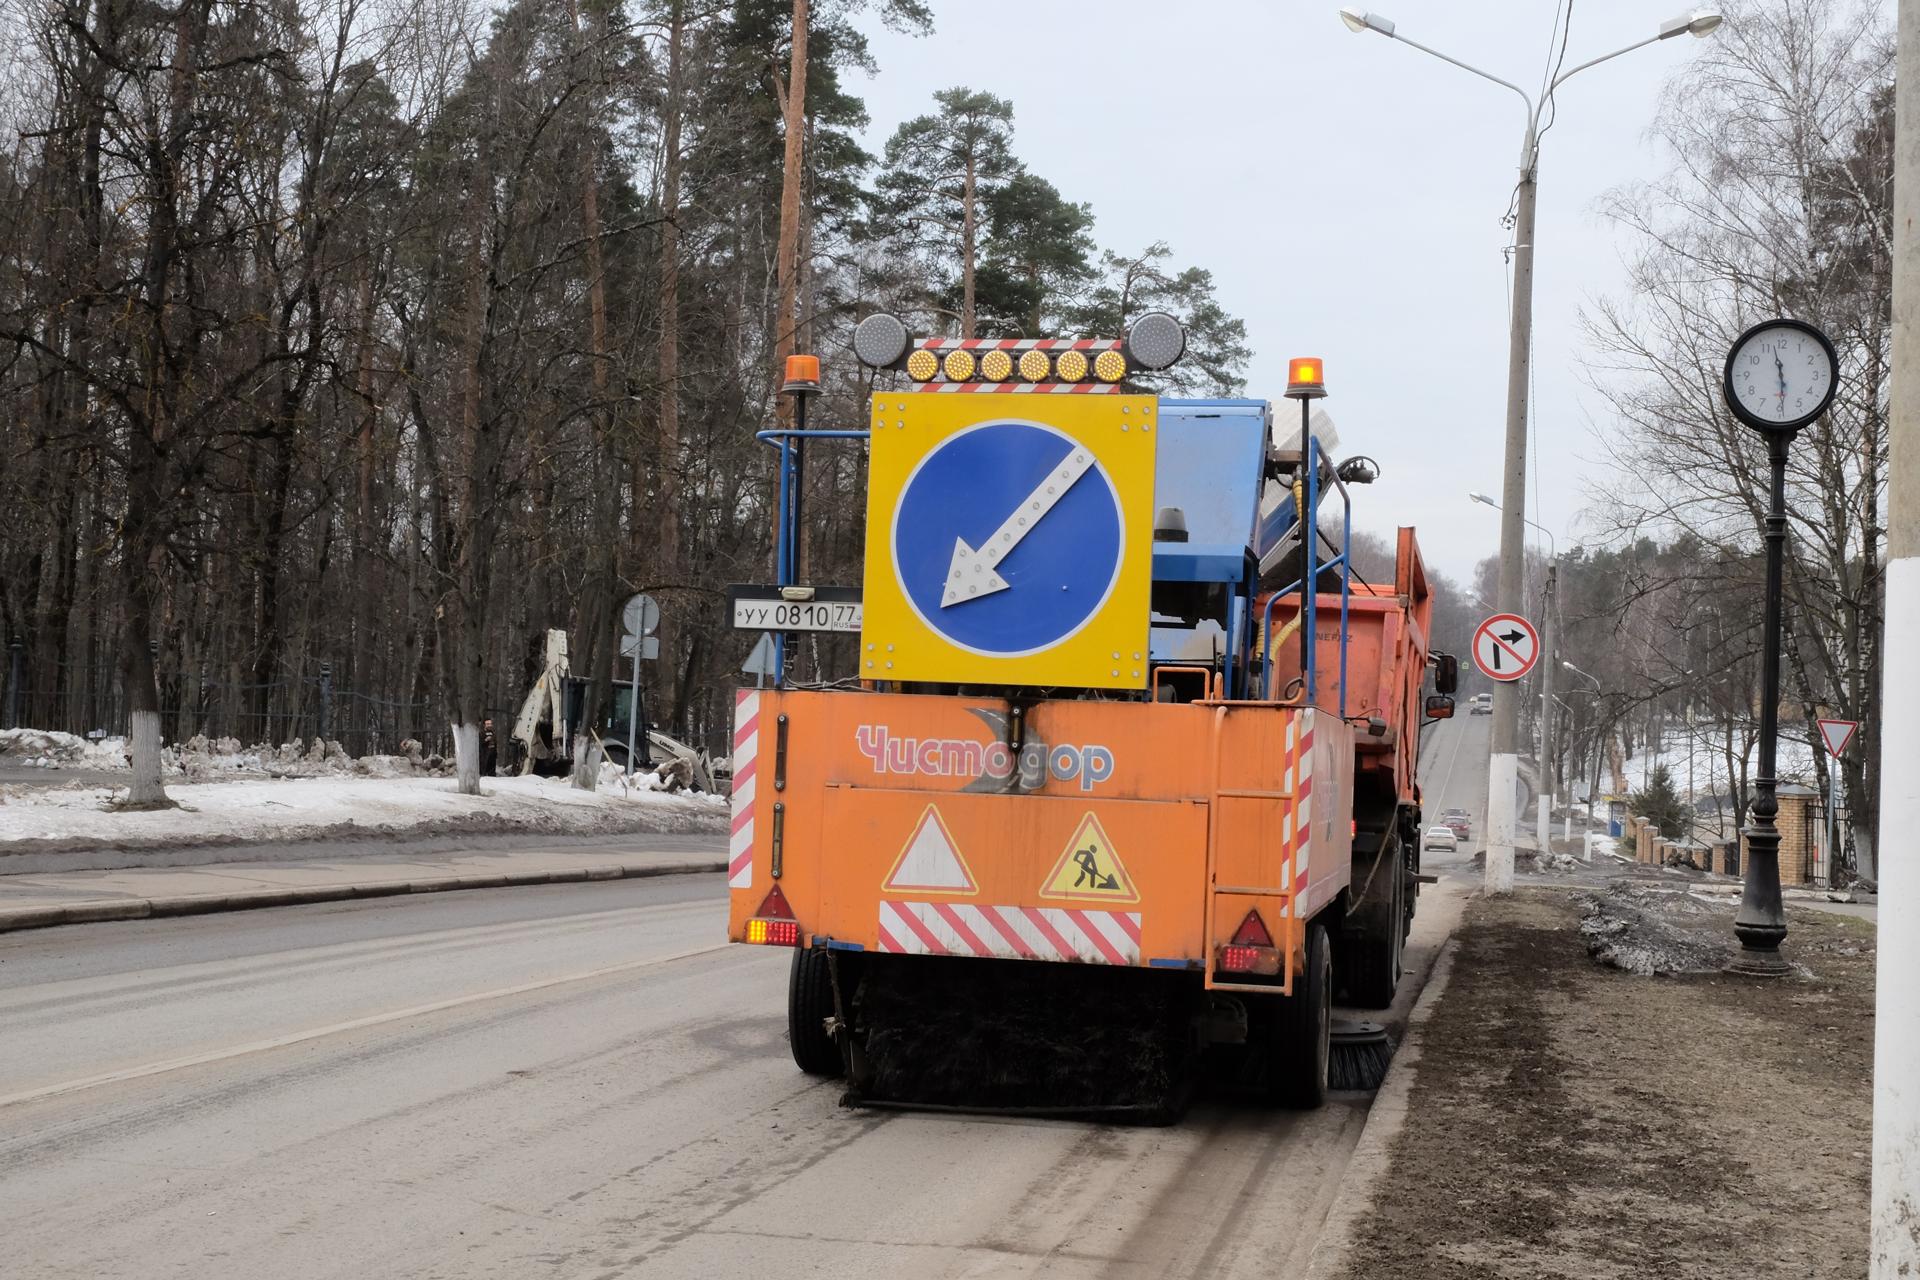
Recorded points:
773,925
1252,949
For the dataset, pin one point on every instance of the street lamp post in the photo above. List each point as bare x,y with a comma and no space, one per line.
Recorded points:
1599,747
1549,637
1503,767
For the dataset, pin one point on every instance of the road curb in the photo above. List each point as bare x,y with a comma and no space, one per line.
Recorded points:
18,918
1346,1217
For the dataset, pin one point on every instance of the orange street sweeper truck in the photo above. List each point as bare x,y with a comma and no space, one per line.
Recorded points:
1124,776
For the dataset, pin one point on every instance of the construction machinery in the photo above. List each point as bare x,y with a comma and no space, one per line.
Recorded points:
1125,775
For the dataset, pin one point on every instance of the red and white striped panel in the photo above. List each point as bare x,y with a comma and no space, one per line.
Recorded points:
1021,344
1297,834
746,761
1023,388
1025,933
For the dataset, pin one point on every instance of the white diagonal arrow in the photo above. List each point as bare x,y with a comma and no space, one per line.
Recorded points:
971,575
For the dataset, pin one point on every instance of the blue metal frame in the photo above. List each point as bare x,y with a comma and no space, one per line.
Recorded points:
786,539
1310,541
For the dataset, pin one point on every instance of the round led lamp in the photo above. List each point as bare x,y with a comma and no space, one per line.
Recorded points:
922,365
996,366
1034,365
880,341
958,366
1071,366
1110,366
1155,341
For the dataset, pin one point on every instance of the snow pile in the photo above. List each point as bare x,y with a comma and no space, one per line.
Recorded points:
256,810
50,749
1647,931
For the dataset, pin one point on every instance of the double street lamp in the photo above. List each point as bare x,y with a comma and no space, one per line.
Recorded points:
1504,764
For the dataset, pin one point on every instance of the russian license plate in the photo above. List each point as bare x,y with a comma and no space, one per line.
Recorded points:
764,609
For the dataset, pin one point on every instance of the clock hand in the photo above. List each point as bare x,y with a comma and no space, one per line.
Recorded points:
1781,369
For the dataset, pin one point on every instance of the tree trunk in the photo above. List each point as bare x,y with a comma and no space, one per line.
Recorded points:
789,247
967,199
667,528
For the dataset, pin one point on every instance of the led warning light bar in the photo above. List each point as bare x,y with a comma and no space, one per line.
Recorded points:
1154,341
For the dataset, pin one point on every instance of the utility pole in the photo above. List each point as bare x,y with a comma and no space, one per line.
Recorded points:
1549,637
1503,768
1895,1243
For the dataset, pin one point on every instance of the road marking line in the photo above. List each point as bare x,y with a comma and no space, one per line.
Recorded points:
356,1024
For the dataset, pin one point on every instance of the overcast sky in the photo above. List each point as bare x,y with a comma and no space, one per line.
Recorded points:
1346,191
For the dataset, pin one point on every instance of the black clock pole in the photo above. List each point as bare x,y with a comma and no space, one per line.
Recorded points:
1761,925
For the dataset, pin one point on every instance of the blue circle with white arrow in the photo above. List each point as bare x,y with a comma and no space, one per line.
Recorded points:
1007,538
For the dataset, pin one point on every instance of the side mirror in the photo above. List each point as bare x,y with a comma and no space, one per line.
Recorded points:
1439,707
1446,673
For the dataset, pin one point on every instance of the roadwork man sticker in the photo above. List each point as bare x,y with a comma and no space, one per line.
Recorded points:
1089,870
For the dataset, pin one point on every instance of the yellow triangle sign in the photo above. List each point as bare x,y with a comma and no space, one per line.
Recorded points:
930,862
1089,869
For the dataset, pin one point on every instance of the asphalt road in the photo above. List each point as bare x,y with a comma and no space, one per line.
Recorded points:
575,1080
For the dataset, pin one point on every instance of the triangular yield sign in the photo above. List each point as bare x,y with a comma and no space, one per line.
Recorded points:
931,862
1089,870
1838,733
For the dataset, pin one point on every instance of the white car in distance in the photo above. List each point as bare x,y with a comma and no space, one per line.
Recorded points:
1439,838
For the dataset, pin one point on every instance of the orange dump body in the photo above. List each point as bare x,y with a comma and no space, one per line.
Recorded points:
1105,832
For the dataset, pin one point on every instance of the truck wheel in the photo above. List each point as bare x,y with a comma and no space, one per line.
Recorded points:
1302,1031
1377,954
809,1005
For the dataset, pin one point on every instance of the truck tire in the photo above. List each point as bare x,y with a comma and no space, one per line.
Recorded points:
1302,1030
1376,954
809,1005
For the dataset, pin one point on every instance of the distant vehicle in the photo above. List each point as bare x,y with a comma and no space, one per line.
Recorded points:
1482,705
1458,821
1439,838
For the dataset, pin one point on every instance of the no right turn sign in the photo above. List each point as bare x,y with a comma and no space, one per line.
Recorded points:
1505,646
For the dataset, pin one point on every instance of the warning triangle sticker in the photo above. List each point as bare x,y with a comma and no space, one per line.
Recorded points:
930,862
1089,870
1838,733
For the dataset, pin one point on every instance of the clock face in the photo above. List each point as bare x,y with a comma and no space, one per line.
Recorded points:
1780,376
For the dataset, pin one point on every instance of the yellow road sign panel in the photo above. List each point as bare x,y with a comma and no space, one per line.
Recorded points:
1089,870
1009,539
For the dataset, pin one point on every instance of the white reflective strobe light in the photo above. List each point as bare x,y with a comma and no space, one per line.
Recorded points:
880,340
1156,340
1358,20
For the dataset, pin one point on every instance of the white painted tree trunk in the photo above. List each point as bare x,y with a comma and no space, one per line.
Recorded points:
466,758
586,762
144,732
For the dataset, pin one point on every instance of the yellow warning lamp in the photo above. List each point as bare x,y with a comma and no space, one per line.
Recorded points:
1110,366
958,366
1306,378
1034,366
1071,366
803,376
996,366
922,365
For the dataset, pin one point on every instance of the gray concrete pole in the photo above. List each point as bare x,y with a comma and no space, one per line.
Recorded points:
1503,766
1549,640
1896,1086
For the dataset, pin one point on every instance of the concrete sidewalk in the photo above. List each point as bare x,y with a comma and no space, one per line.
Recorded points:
81,897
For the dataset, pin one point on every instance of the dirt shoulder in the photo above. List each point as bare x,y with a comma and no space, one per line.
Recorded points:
1569,1120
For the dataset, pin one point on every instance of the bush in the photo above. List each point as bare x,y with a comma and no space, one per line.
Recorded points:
1661,805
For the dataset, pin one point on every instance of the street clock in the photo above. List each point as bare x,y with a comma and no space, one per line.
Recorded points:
1780,375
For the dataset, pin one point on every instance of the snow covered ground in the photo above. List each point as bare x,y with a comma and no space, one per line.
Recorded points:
35,818
1709,764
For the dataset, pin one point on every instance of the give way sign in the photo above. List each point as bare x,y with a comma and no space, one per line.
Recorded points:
1505,646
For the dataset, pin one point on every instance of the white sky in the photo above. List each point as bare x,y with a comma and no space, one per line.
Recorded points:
1346,192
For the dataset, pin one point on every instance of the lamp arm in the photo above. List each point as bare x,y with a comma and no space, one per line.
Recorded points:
1467,66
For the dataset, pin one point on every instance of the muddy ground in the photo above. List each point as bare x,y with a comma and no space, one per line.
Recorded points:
1570,1120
